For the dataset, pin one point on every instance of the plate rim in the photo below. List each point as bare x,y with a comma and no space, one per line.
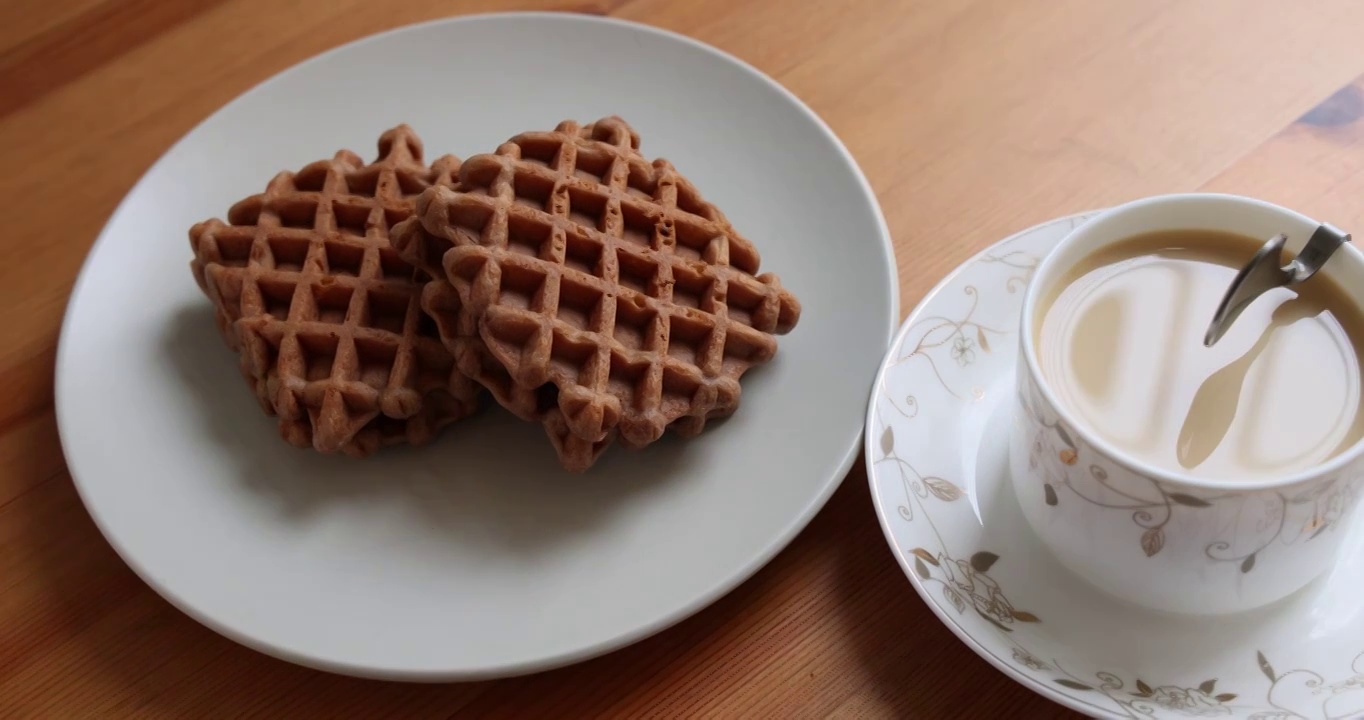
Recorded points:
63,361
883,519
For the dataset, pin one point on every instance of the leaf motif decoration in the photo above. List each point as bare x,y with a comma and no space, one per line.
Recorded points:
1024,616
1319,531
1248,564
1207,687
982,561
1189,500
1072,684
888,441
1050,493
955,598
1143,690
1065,436
1265,667
980,339
1226,697
942,489
920,568
1152,541
995,622
925,555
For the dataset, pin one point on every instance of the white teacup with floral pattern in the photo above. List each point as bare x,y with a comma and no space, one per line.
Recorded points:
1157,538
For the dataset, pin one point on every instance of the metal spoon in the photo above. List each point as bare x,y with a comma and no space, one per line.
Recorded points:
1263,273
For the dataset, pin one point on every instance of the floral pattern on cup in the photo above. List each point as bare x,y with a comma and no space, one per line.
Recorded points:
1070,472
982,602
967,586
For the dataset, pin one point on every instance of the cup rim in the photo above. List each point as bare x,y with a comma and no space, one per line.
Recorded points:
1117,454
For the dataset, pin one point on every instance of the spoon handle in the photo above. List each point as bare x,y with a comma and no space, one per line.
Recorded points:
1263,273
1319,248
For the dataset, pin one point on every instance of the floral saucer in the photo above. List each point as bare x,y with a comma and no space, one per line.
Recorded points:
937,458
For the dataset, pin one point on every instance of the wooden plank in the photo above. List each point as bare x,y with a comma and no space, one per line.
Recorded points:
1314,166
83,42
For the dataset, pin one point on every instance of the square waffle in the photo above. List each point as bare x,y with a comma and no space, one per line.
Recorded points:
594,290
324,312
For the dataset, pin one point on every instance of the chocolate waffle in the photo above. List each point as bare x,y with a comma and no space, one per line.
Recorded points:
601,284
324,312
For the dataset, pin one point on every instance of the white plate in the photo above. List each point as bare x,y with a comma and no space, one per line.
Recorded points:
474,557
937,445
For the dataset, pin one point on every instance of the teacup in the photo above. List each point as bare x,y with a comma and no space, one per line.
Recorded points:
1158,537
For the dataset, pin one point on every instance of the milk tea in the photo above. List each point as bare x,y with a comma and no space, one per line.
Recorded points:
1120,340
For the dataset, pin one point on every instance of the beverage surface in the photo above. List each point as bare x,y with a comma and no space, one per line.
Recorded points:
1120,340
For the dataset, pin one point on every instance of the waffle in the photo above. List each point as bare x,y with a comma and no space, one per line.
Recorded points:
536,404
324,312
598,283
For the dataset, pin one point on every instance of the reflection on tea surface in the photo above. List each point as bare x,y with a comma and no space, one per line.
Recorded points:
1120,339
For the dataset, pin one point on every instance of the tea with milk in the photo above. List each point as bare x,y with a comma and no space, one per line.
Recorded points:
1120,340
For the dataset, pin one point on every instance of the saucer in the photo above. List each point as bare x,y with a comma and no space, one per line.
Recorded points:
937,458
477,555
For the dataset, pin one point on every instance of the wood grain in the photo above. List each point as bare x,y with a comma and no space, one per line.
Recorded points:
972,119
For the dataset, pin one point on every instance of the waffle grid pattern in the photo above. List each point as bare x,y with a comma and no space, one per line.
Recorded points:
587,270
324,312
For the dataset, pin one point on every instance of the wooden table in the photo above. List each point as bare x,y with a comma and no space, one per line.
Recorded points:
972,119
